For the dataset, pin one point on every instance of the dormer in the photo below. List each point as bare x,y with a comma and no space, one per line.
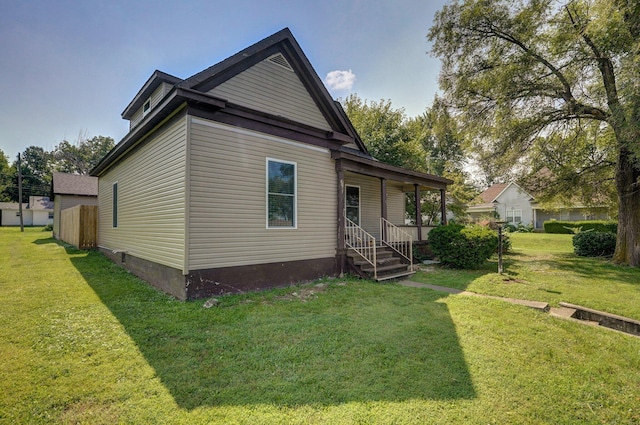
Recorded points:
150,95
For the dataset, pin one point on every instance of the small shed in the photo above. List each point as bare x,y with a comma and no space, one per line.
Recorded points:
69,190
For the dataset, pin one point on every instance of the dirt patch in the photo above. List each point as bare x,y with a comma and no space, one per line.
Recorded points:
304,294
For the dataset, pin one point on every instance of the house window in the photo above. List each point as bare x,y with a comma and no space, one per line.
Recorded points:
281,194
146,107
114,205
352,203
514,216
18,214
50,216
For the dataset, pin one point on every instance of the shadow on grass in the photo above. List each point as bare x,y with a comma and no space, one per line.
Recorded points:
357,342
601,267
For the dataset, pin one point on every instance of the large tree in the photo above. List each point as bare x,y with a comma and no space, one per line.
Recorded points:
532,70
428,143
81,157
6,174
36,174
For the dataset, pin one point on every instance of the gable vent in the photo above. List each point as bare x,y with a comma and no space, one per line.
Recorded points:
279,60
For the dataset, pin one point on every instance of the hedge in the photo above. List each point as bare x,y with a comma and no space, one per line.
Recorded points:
594,244
463,247
558,226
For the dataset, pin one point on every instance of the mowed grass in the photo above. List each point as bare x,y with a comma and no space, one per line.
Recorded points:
543,267
82,341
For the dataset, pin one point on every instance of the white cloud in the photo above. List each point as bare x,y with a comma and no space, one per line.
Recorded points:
340,80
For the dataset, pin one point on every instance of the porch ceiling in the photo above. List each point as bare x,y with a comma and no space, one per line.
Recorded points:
350,162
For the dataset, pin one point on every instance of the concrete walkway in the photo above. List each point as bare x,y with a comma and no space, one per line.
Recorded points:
538,305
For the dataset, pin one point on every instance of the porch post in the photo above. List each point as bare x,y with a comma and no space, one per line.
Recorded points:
383,206
383,197
443,206
416,189
341,252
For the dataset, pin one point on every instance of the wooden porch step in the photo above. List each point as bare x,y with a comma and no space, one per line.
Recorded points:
384,269
395,276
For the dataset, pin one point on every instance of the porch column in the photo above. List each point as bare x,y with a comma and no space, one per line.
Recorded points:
342,252
443,206
383,197
383,206
416,189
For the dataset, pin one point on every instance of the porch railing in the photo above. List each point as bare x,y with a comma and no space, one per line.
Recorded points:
397,239
362,243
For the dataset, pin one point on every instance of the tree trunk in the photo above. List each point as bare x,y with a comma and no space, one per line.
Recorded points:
628,187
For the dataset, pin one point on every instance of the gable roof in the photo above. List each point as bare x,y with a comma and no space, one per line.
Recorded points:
193,91
40,203
157,78
492,192
74,184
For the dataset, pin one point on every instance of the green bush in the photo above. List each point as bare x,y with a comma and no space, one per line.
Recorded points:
558,226
463,247
48,228
594,244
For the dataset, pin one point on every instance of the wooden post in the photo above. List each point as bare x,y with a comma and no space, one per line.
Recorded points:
443,206
383,206
416,189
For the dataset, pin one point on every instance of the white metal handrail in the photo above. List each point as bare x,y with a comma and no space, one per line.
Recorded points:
363,243
397,239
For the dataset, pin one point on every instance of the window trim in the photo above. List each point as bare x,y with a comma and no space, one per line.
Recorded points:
295,194
510,215
146,107
114,205
359,223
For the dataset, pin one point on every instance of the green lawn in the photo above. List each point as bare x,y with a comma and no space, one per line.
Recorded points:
82,341
542,267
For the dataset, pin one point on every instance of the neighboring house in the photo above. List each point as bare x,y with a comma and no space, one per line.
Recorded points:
510,203
242,177
69,190
37,212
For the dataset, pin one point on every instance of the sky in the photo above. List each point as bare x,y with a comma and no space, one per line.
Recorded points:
69,68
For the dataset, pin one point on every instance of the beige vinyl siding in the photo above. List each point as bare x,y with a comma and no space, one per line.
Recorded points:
370,205
227,213
270,88
155,98
151,199
395,203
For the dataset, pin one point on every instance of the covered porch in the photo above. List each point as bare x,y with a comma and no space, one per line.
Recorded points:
371,206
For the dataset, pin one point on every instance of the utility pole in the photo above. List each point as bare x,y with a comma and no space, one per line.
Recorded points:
20,194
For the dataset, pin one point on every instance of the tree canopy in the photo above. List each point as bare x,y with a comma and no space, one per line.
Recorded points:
542,83
428,143
37,164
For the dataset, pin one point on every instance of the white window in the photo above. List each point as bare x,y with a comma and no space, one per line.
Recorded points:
281,194
50,216
146,107
352,203
514,216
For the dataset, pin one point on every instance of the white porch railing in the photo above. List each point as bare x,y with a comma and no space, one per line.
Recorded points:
363,243
397,239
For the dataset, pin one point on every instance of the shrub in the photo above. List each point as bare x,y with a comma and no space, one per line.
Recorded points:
594,244
463,247
558,226
48,228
